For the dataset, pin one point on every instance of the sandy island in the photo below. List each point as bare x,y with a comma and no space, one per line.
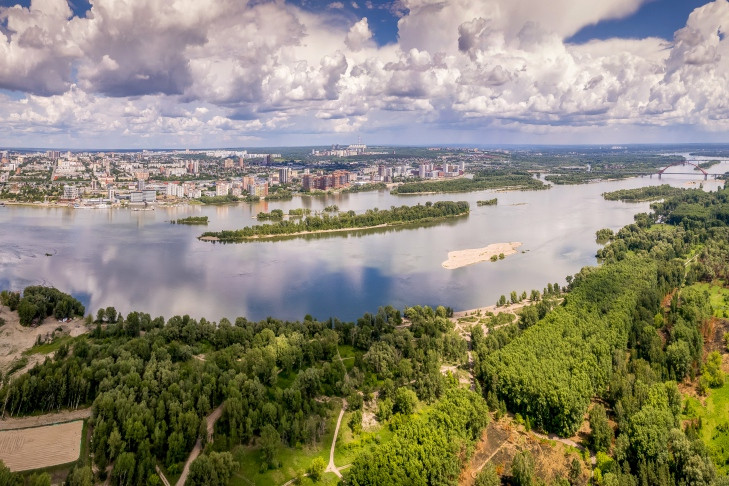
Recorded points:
461,258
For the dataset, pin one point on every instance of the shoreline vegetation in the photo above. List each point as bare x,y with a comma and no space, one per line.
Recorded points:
488,202
462,258
191,220
482,180
642,194
343,222
375,186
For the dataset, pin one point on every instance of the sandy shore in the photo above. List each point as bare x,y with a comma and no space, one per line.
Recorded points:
461,258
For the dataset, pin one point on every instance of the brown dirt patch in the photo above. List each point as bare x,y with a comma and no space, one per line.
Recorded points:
714,339
503,439
14,338
40,447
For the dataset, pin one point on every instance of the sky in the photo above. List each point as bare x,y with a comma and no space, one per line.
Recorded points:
243,73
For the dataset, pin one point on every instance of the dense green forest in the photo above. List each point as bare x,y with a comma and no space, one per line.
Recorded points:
482,180
648,193
344,221
611,350
151,382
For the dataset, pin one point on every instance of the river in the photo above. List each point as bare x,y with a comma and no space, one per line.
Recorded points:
137,260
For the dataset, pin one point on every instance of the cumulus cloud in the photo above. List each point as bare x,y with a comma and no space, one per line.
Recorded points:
358,35
218,68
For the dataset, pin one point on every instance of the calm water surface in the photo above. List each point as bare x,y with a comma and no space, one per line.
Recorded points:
139,261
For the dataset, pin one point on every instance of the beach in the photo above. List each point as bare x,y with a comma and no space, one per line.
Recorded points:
461,258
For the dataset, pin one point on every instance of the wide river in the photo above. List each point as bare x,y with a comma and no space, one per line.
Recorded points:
137,260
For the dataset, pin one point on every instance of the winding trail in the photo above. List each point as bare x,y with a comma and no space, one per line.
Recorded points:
332,467
211,419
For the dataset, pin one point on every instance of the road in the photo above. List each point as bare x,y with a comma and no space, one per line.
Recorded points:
332,467
211,419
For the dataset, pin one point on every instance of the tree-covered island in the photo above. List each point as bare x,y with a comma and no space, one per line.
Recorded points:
344,221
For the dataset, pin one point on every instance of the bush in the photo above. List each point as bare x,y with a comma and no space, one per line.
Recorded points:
488,477
522,469
316,469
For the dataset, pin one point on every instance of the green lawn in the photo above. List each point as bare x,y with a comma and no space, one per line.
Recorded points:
349,447
47,348
294,460
348,354
715,424
719,297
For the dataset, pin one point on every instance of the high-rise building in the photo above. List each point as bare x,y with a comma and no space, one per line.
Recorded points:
284,175
70,192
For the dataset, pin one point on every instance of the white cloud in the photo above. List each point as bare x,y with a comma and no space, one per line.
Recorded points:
358,35
224,68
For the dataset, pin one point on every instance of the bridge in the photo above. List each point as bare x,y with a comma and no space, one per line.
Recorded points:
685,162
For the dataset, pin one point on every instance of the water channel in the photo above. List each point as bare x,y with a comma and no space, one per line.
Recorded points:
137,260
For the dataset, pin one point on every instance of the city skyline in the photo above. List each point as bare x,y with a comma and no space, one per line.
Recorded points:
210,74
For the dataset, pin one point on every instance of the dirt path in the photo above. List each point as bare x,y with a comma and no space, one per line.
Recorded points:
567,442
211,419
47,419
332,467
161,475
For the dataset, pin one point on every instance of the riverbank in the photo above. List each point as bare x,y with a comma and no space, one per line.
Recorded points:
462,258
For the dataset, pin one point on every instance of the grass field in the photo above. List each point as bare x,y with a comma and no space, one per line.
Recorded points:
349,447
294,461
47,348
715,424
719,297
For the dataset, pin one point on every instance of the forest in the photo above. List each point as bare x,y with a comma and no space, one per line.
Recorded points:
343,221
611,353
482,180
151,382
38,302
648,193
627,333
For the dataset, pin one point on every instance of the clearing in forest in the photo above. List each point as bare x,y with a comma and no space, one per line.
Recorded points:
41,447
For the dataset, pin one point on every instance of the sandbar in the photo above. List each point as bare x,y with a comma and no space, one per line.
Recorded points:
461,258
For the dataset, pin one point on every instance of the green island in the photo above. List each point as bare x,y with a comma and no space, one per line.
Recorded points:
488,202
625,361
373,186
344,221
191,220
299,212
707,164
229,199
279,194
640,194
482,180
